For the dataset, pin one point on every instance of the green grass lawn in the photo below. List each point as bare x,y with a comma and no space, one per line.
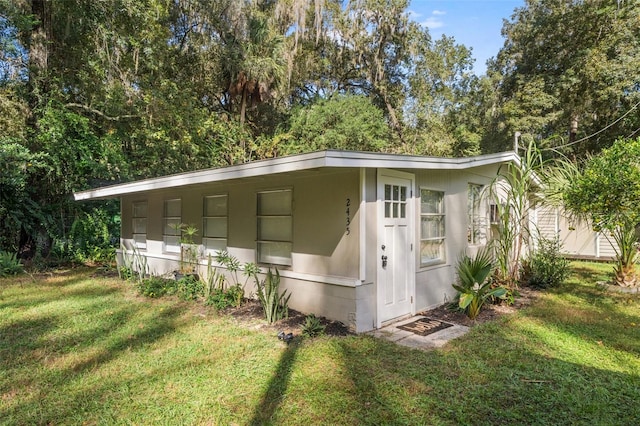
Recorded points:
81,349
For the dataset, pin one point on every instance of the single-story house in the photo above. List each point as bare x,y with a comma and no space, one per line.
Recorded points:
362,238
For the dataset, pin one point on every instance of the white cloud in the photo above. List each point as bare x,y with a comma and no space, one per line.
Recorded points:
438,12
413,15
432,23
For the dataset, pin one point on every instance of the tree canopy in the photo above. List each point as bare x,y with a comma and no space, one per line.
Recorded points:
607,193
115,90
567,75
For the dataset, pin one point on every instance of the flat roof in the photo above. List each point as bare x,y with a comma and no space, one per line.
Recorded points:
292,163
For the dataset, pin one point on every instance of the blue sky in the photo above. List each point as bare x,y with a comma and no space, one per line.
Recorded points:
474,23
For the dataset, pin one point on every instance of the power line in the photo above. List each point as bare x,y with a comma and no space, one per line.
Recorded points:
630,135
596,133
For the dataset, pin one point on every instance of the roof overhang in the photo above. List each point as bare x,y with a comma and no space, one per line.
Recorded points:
293,163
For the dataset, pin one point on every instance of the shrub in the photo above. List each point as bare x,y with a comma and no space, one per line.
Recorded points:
156,286
217,285
126,273
218,299
189,287
91,237
9,264
546,268
474,284
222,299
312,326
274,304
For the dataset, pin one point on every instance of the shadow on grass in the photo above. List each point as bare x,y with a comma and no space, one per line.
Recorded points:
52,348
589,272
19,338
35,293
277,387
375,407
514,383
589,313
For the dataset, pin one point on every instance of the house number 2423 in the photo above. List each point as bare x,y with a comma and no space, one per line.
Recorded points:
348,212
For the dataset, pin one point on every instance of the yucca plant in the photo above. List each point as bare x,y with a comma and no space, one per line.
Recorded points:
474,284
312,326
274,303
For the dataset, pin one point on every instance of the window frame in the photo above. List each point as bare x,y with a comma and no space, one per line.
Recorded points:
205,216
476,215
134,218
442,239
396,204
171,248
261,257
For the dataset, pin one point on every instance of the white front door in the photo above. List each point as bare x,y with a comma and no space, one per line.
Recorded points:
396,263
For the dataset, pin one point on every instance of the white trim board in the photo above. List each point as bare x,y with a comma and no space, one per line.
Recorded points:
329,159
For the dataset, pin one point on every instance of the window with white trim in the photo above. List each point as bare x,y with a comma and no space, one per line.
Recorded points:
171,225
275,226
214,223
476,215
139,224
432,229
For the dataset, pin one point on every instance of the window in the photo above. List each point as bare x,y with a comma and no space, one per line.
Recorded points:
139,224
171,227
431,226
395,201
476,220
275,227
214,223
494,214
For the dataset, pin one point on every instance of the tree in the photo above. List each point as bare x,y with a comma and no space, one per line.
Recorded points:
607,194
342,122
18,210
569,69
115,90
255,61
439,87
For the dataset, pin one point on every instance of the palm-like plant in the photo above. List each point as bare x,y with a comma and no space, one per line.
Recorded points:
474,284
255,63
511,191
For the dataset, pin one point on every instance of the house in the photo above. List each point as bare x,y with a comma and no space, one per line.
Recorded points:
362,238
577,238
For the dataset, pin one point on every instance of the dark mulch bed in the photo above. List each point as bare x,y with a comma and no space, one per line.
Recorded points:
250,313
489,312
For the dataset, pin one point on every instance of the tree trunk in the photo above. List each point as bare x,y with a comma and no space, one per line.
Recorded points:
38,45
573,129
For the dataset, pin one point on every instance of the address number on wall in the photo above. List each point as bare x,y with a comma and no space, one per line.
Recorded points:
348,213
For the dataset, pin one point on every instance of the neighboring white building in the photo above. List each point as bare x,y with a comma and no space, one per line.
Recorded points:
362,238
578,238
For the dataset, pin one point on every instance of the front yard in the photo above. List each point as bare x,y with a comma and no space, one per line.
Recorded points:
77,348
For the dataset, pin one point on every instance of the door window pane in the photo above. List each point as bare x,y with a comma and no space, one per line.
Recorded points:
395,199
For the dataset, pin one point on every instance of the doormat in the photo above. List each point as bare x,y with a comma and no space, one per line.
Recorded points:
425,326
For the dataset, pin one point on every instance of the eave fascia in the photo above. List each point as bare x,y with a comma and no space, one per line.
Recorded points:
328,159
